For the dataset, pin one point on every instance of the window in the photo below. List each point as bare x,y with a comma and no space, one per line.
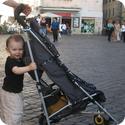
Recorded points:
87,25
76,22
113,12
109,13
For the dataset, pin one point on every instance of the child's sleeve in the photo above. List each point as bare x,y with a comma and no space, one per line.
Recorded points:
12,63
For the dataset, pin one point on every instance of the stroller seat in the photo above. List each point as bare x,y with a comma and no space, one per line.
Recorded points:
59,106
56,100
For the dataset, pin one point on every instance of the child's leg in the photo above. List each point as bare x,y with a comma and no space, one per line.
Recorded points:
1,108
123,36
12,106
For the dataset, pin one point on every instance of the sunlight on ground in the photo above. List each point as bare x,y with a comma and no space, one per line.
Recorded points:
3,53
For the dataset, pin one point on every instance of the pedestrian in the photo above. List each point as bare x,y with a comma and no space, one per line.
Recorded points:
14,4
60,30
43,25
55,29
68,29
38,19
64,28
123,31
110,29
11,92
117,29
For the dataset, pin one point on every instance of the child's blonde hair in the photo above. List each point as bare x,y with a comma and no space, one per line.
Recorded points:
15,37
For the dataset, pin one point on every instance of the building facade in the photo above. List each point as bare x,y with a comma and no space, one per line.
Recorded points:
83,16
123,12
32,3
112,9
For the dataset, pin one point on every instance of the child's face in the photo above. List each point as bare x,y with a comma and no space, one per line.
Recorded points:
15,49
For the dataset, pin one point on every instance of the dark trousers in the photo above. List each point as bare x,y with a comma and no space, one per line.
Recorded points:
55,35
109,33
123,36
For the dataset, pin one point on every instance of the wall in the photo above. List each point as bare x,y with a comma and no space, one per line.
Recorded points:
92,14
123,13
33,3
91,8
61,3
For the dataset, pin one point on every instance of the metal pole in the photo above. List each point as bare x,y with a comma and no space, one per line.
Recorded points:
100,106
36,76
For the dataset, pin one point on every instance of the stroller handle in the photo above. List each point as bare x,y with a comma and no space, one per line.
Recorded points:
20,19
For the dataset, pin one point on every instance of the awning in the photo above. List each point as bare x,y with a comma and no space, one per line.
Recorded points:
49,14
63,9
64,14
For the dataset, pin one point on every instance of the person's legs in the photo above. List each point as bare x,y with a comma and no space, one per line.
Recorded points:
41,31
113,36
59,35
45,31
123,36
12,107
53,35
1,108
56,35
109,35
118,36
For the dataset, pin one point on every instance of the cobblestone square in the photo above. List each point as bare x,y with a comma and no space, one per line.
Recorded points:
93,59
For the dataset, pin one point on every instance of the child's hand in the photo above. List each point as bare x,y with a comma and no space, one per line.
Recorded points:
32,66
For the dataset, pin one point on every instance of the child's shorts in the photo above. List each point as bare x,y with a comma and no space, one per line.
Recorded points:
11,107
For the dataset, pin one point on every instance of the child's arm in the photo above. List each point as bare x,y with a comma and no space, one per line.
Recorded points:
22,70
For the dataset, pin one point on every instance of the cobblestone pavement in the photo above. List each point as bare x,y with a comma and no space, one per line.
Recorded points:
93,59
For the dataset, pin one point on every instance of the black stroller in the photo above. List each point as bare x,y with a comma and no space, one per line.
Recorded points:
68,94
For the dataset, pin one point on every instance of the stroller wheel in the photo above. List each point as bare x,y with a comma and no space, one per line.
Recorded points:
42,120
99,120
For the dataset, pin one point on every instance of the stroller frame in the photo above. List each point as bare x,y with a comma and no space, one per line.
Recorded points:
75,79
69,104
